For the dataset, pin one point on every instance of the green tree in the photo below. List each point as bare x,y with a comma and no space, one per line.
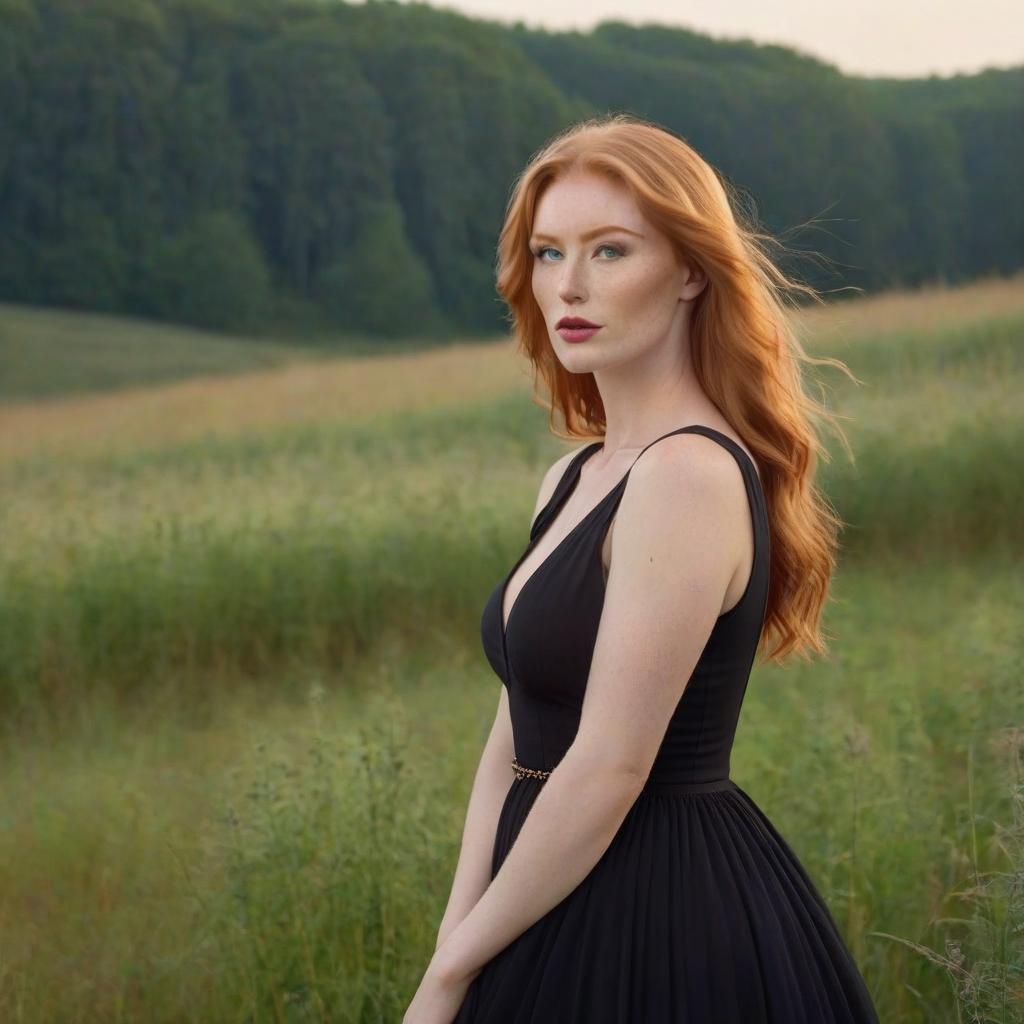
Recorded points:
212,274
379,285
86,269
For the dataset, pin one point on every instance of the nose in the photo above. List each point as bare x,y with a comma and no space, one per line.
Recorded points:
571,285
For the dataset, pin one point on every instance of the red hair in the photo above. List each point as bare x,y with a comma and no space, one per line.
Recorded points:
745,350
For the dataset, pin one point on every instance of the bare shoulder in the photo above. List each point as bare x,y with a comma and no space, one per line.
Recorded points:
685,459
691,478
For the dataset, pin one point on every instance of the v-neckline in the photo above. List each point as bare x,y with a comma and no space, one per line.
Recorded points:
506,622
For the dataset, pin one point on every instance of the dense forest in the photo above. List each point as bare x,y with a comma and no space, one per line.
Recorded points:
277,166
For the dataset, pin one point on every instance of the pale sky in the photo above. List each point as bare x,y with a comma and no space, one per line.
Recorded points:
897,38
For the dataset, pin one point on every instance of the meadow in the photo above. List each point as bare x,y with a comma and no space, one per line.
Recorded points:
243,692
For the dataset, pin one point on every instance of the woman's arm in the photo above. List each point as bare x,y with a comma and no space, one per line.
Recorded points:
494,775
681,526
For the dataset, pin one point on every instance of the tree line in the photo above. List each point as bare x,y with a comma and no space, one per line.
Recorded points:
281,166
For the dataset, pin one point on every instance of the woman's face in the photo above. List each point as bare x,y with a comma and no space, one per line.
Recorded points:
597,257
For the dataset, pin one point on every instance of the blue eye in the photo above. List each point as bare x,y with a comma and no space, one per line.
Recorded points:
538,253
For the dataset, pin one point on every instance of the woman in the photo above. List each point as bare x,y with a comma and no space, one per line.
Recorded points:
611,871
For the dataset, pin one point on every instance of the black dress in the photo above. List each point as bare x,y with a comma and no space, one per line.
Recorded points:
698,912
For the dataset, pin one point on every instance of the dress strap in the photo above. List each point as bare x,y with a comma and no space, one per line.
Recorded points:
567,480
747,467
716,435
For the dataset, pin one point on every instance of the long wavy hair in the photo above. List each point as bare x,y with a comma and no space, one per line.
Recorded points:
745,350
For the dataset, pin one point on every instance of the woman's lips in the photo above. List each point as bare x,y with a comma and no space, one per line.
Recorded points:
577,333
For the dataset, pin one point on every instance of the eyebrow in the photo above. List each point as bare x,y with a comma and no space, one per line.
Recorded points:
586,236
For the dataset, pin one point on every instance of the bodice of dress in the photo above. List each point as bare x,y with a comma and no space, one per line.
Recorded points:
544,654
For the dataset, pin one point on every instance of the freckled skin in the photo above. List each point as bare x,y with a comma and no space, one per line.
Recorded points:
641,291
641,295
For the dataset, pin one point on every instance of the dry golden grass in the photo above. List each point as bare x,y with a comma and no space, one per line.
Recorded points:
904,310
321,391
352,388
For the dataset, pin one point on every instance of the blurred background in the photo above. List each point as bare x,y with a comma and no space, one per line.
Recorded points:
266,446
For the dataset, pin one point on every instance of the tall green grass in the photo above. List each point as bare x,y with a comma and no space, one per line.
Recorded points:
244,695
284,852
242,555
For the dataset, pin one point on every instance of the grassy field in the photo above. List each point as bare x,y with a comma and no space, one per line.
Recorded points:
50,353
244,695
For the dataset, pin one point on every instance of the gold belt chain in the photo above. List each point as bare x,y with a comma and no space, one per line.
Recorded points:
524,773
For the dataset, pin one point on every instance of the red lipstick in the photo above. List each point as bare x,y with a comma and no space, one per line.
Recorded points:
576,328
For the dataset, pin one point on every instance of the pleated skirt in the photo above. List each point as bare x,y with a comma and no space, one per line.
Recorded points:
697,913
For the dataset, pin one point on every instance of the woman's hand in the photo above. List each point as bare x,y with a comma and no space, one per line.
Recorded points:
439,996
